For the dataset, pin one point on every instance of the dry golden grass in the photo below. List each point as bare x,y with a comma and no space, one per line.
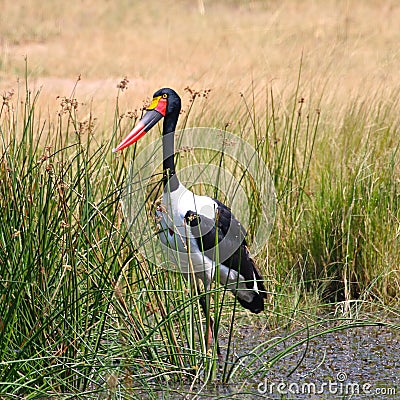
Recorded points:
349,48
76,296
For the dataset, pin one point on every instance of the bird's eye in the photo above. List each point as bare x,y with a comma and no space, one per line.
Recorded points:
164,96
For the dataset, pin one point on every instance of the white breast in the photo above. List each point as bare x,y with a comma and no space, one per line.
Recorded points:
178,202
175,233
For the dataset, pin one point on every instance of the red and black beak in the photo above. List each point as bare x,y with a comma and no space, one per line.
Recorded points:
155,112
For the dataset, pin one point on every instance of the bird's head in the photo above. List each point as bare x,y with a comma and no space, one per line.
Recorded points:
165,103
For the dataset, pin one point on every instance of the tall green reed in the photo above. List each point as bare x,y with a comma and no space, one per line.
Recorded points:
59,245
338,203
78,300
83,312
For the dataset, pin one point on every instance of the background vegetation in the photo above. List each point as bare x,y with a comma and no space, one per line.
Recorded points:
314,85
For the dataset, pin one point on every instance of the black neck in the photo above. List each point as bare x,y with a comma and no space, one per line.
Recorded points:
170,179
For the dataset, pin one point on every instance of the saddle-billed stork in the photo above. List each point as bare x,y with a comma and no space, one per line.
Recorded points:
201,228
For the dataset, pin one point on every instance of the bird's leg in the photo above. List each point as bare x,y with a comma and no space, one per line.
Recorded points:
210,332
209,320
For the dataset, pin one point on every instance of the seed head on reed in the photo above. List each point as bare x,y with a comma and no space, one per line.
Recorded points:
87,126
131,114
197,93
123,84
7,96
67,105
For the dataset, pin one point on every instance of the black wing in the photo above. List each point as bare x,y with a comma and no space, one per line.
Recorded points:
229,234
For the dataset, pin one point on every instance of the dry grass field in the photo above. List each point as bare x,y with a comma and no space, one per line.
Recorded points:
349,49
313,85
